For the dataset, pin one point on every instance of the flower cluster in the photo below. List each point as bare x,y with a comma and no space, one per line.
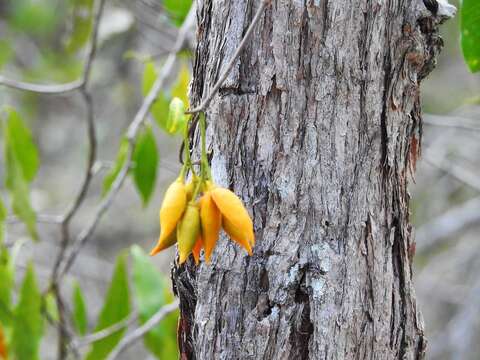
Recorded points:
193,214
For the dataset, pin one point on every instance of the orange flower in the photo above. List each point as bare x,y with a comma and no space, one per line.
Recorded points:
196,250
235,218
172,209
211,221
3,346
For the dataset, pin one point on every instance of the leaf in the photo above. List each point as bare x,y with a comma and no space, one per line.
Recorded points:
6,284
180,89
146,163
28,322
151,292
82,25
115,309
20,140
50,306
178,10
80,321
3,216
112,175
470,33
19,191
177,119
149,76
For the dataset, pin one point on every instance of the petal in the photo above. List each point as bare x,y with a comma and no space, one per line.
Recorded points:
173,206
165,243
232,209
188,231
211,220
196,250
237,235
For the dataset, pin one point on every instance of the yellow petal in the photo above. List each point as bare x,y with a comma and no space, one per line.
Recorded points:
233,210
237,235
3,346
196,250
165,243
211,221
188,231
173,206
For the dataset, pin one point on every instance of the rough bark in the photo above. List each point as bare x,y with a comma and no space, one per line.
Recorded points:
317,128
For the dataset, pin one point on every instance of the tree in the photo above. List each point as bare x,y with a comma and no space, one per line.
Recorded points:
318,127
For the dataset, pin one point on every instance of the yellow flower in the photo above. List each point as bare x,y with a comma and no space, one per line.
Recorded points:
163,244
188,231
3,346
172,209
211,221
235,218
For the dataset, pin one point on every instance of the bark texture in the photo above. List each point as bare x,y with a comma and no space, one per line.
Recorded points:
317,128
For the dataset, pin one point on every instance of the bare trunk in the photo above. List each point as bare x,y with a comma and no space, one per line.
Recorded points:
317,129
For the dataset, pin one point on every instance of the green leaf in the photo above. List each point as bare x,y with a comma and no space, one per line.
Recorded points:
20,140
82,25
28,322
180,89
177,9
6,284
115,309
3,216
470,29
177,119
149,76
151,291
50,306
79,310
145,158
19,191
159,111
113,173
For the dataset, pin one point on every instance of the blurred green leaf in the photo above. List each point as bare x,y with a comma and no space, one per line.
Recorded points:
152,292
20,140
177,9
37,18
80,321
50,305
28,323
145,158
113,173
115,309
21,163
82,25
3,216
180,89
6,52
149,76
6,284
470,31
177,119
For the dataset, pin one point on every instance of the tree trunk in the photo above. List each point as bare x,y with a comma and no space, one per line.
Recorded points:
317,129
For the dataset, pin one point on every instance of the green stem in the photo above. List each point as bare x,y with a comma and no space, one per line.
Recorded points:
206,172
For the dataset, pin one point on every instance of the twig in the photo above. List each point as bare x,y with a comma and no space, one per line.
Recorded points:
132,131
142,330
437,231
41,218
458,172
451,122
99,335
205,103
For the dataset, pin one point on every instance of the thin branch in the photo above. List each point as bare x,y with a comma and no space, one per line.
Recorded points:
138,333
99,335
60,89
205,103
132,132
41,218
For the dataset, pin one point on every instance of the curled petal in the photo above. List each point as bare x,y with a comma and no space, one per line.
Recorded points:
172,208
165,243
211,221
196,250
237,235
232,209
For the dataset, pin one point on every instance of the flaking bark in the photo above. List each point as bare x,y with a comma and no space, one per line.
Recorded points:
317,129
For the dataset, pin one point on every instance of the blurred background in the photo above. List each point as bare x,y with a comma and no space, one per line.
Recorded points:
37,45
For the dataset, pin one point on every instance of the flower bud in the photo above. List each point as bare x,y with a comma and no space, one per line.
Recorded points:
188,231
165,243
